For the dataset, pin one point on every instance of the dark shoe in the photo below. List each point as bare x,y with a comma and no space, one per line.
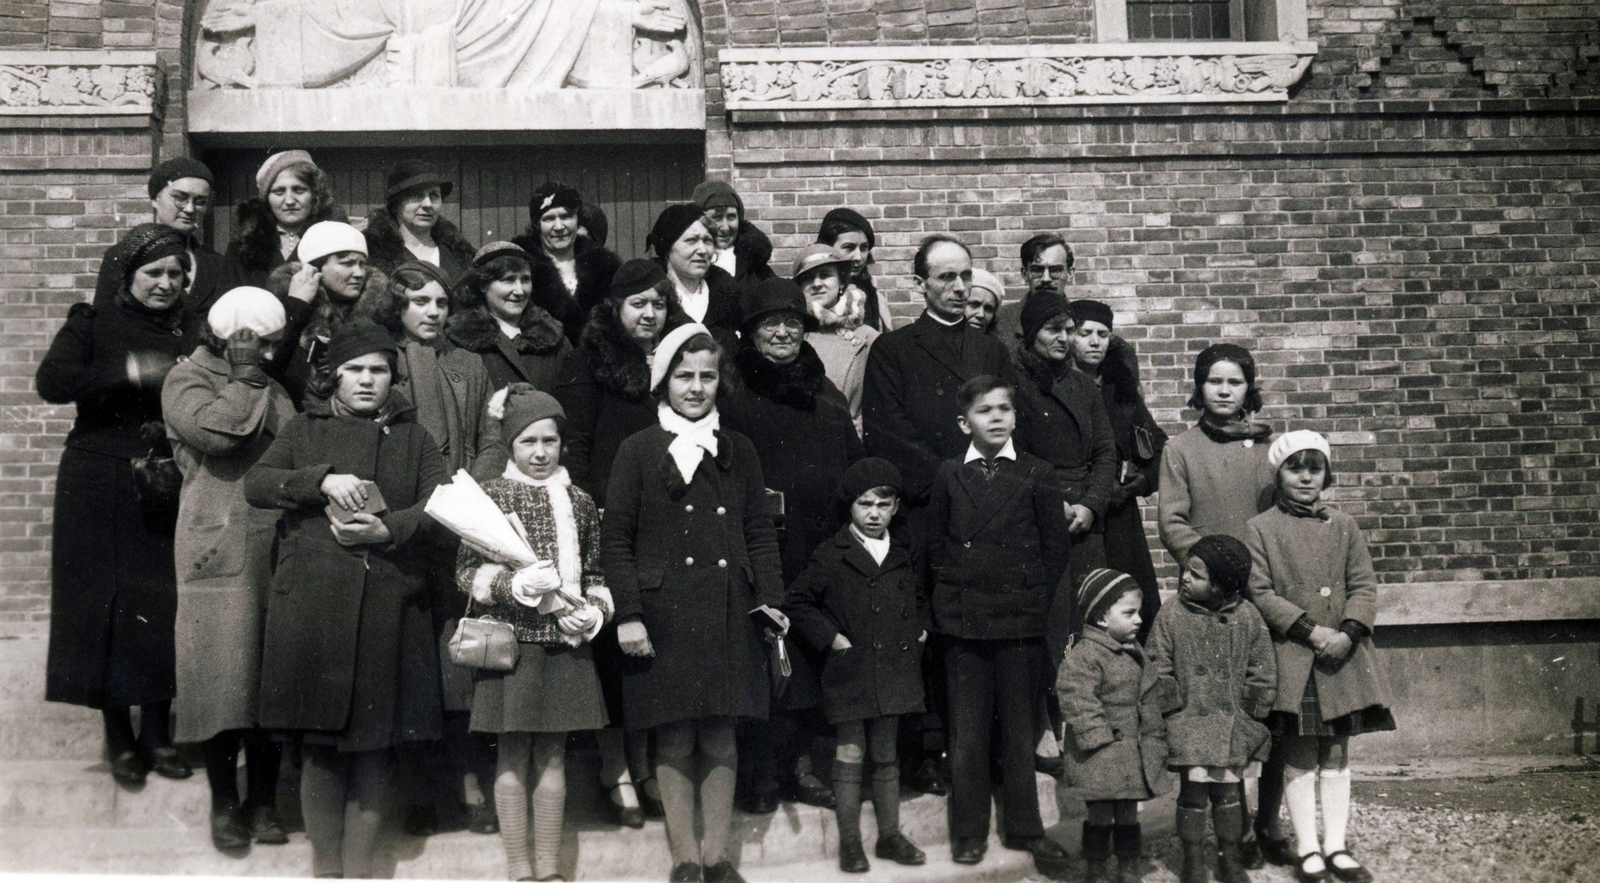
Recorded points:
968,850
1276,850
809,789
1129,843
1038,847
688,872
853,857
722,872
421,821
265,826
1357,874
758,804
1305,876
650,805
929,778
1230,863
130,768
166,763
1250,854
624,816
482,819
1052,766
228,829
899,849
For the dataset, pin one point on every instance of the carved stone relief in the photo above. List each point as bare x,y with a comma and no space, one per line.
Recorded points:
522,45
55,83
1081,78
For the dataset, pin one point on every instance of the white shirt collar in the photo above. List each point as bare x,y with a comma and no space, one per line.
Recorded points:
948,323
727,260
1009,452
697,302
508,329
877,548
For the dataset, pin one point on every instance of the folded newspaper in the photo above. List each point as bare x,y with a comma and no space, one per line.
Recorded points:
462,507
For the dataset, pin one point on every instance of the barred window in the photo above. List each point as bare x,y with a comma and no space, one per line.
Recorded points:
1120,21
1179,20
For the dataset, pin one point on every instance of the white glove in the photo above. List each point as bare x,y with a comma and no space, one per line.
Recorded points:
533,581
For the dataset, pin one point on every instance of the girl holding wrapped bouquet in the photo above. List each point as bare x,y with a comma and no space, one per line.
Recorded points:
690,553
556,606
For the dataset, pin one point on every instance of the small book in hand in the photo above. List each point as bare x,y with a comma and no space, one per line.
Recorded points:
763,618
373,506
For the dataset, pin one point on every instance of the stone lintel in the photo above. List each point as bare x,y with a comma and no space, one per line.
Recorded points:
282,111
1486,601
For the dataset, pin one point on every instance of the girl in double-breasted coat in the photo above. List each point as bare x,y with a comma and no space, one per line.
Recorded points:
692,561
348,658
222,412
860,602
1312,579
1215,676
1114,747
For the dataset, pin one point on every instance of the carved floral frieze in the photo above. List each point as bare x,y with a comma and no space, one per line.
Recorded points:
66,82
981,75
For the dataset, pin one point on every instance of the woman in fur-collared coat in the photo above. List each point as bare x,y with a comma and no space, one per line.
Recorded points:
495,316
293,195
414,194
571,273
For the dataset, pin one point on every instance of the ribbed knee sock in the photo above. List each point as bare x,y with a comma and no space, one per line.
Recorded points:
549,802
511,804
847,799
1300,796
886,798
1335,787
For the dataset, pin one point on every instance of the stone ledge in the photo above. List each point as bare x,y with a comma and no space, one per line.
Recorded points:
1483,601
276,112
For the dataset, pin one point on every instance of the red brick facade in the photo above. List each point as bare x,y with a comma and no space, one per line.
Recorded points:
1411,243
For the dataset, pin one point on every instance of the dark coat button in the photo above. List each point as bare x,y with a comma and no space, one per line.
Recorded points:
877,609
905,645
877,645
1200,670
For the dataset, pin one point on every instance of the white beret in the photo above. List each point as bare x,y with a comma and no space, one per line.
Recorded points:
989,282
246,307
329,237
1295,441
276,163
668,347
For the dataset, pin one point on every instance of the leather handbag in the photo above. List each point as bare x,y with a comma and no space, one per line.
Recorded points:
484,643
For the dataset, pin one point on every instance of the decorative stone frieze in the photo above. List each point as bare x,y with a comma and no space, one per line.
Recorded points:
74,82
846,77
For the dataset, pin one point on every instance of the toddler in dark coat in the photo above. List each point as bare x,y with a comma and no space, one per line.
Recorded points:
1214,674
860,601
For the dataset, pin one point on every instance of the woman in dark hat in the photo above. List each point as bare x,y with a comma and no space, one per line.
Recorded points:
348,656
604,388
292,194
685,248
410,227
495,316
801,427
1111,363
571,273
180,196
743,251
849,232
113,593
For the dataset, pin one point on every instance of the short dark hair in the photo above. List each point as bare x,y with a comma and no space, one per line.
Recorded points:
1039,243
393,304
1308,458
469,291
1225,352
919,262
830,231
980,386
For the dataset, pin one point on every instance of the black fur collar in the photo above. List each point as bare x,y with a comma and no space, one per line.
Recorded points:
753,250
387,248
474,329
255,240
1042,373
795,385
617,360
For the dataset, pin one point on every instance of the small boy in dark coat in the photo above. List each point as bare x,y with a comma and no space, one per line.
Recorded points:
860,600
998,543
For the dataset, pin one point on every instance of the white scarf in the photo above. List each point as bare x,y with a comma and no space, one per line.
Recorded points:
877,548
695,438
569,562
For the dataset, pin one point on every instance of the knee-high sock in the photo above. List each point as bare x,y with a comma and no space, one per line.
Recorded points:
886,798
847,799
719,763
1300,795
322,796
119,730
675,778
1267,819
549,803
155,725
263,756
221,753
511,803
371,775
1335,787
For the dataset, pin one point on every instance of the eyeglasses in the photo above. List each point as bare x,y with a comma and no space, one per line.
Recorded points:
792,324
185,200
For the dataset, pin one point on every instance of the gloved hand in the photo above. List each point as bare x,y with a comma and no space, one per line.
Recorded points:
244,358
580,620
529,583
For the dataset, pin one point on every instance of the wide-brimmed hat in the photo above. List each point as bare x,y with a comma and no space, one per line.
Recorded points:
774,295
413,173
819,255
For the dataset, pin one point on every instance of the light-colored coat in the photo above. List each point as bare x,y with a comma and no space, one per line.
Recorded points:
223,545
1210,487
1114,748
1215,676
1320,569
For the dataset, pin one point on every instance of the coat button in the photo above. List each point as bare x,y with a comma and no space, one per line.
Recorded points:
1200,670
722,510
877,609
689,562
938,390
877,645
722,562
904,645
967,544
1223,620
873,581
904,613
689,507
1325,591
939,434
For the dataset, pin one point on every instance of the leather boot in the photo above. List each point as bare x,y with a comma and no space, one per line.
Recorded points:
1096,853
1192,834
1228,820
1129,841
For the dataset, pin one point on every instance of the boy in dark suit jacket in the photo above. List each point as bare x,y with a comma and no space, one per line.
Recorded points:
998,543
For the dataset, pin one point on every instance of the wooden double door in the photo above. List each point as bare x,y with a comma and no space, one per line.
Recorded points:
631,182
